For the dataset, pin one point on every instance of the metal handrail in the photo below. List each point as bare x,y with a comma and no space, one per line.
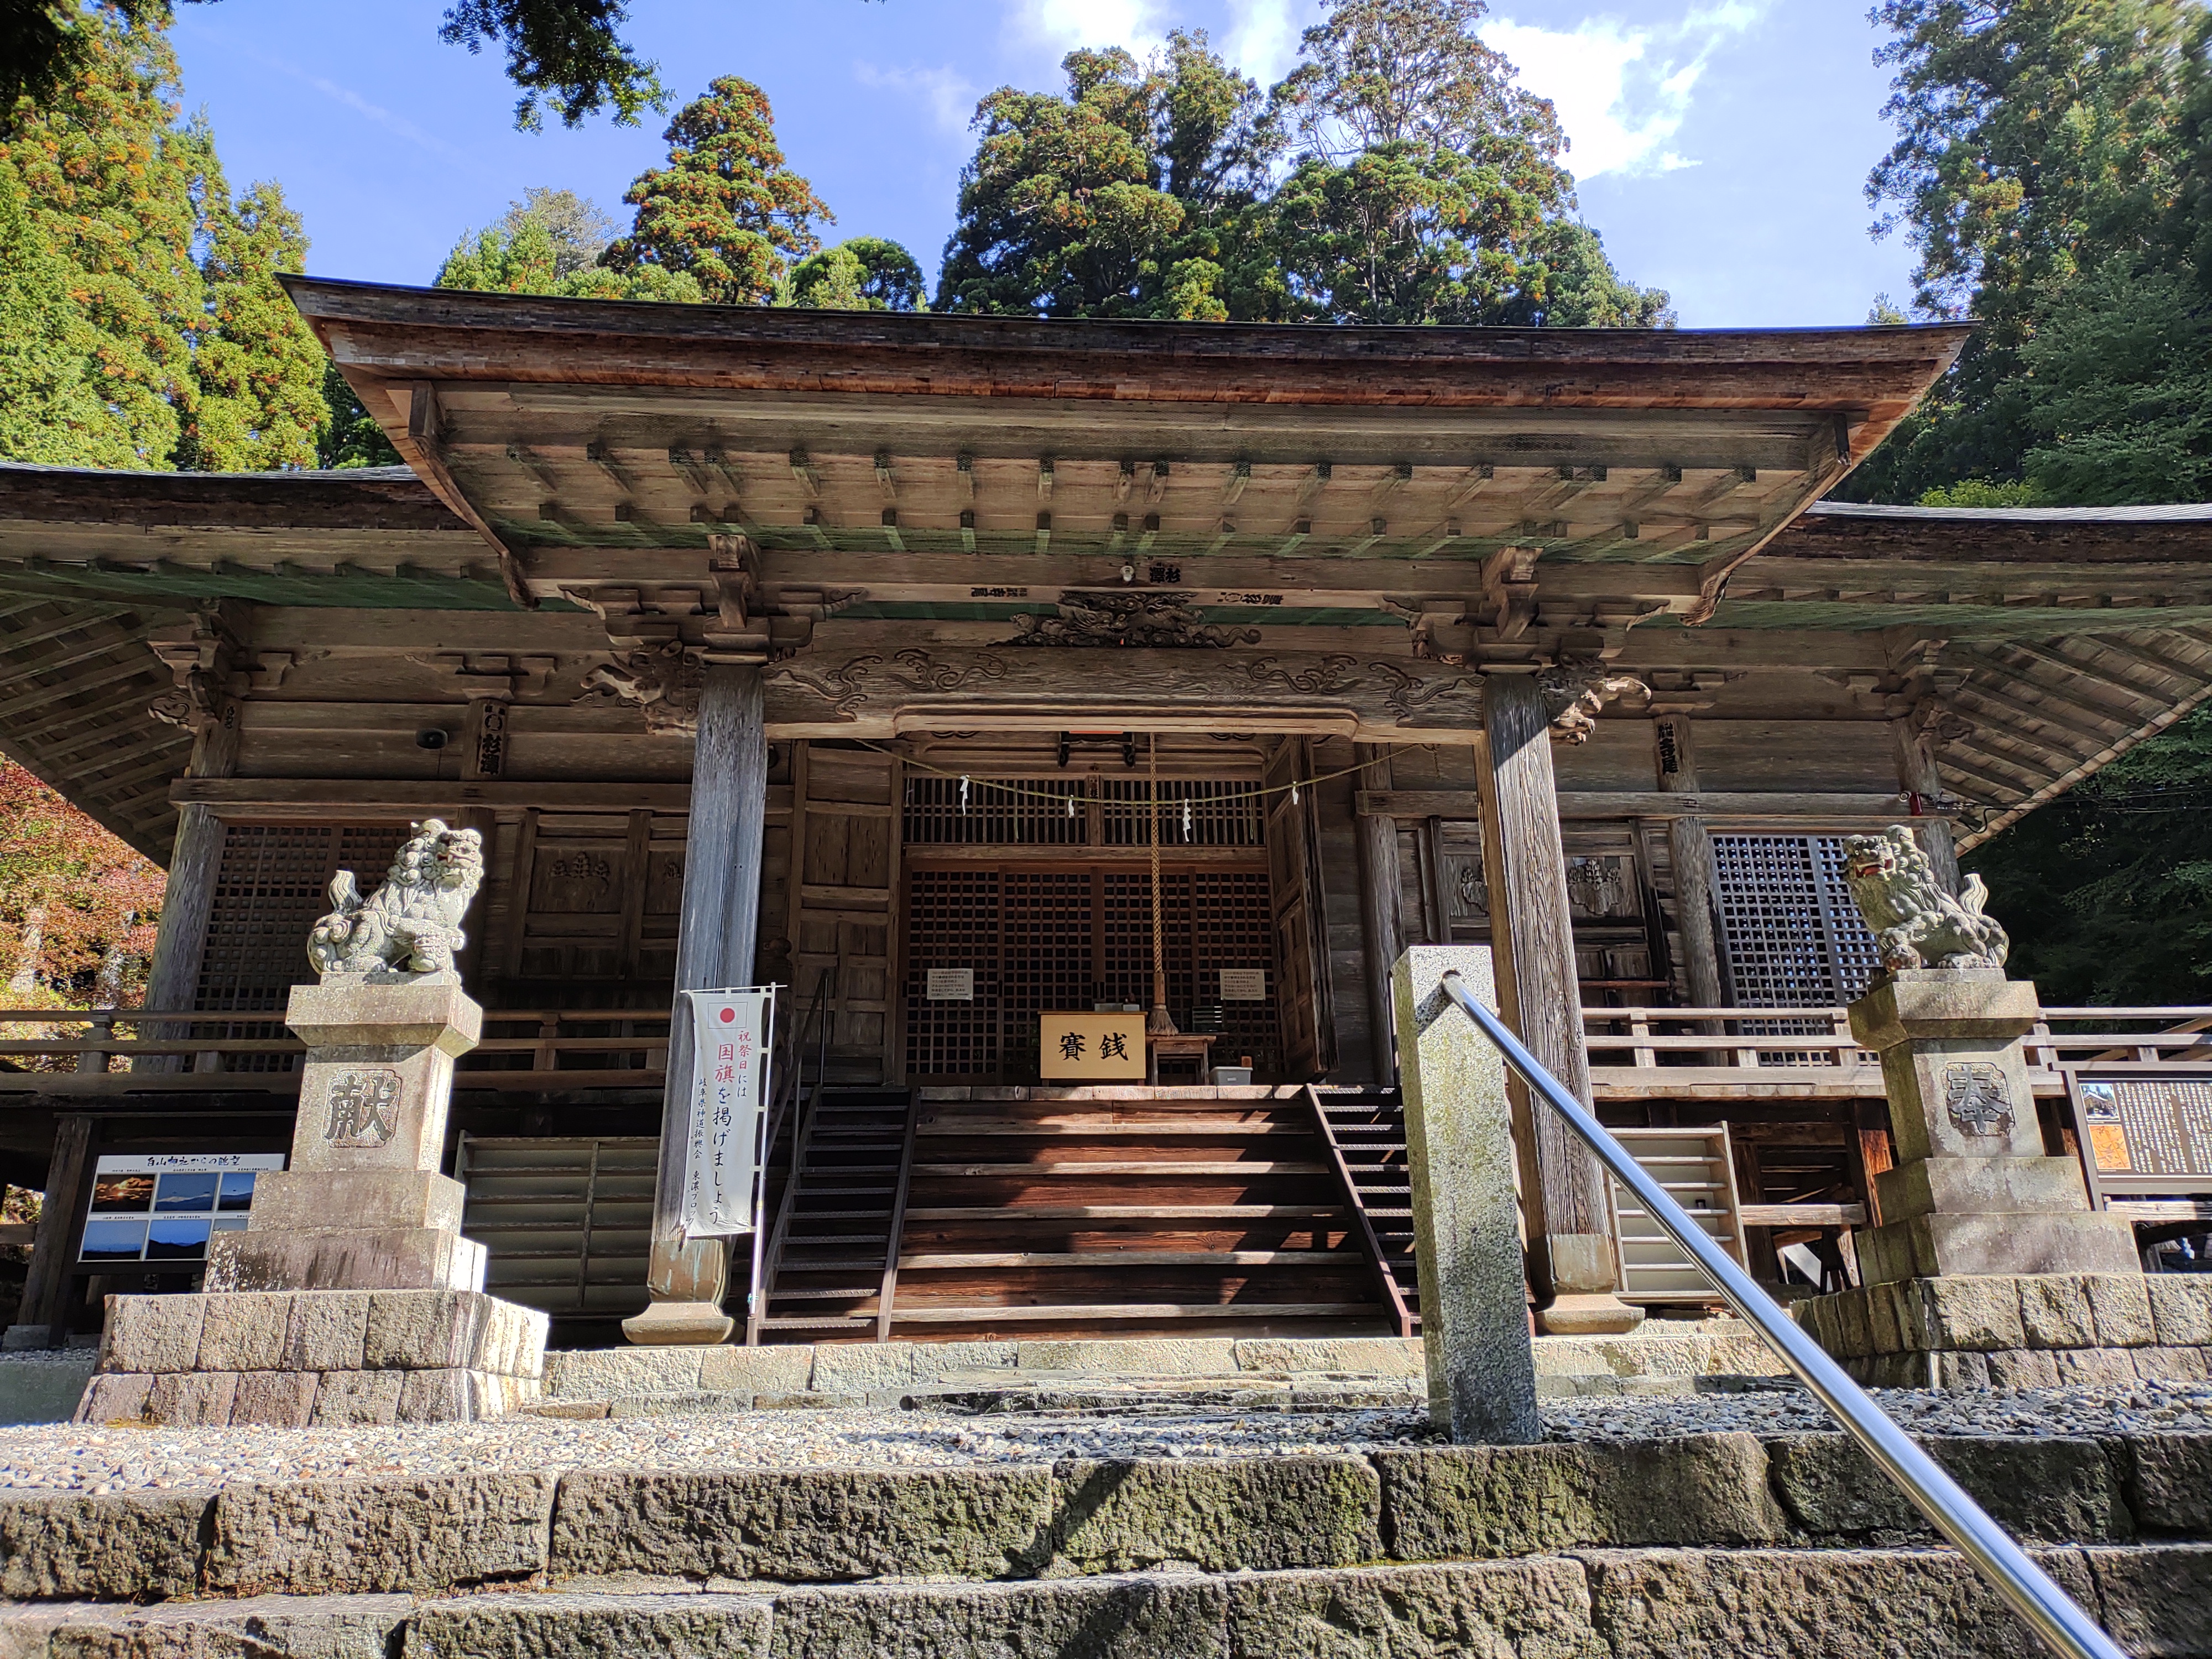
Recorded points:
2048,1609
767,1244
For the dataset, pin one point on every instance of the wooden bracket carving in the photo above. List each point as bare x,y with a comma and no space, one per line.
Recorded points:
664,680
1575,691
204,661
1509,589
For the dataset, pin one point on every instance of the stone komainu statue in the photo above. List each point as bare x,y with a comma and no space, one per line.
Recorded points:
412,923
1916,923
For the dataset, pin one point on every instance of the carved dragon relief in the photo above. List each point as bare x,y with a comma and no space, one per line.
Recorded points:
844,688
923,673
841,687
1143,621
1406,692
1331,675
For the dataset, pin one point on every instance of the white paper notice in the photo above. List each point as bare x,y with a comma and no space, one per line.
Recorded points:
729,1069
951,985
1243,984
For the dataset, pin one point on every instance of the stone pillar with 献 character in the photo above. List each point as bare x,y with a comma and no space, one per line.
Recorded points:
350,1296
1991,1269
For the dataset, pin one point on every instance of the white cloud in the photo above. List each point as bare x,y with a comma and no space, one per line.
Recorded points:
949,99
1262,38
1139,25
1623,93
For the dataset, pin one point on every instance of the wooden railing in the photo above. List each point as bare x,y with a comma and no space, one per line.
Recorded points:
1660,1054
109,1051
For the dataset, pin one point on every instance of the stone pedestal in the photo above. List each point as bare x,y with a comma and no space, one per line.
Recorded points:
1973,1197
361,1205
350,1296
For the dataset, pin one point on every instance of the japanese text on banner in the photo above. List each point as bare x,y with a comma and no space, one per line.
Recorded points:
729,1068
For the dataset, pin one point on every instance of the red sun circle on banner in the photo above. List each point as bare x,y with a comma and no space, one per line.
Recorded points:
729,1015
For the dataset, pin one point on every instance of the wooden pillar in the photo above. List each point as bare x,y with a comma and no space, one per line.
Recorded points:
187,901
1573,1265
1916,775
1379,913
38,1321
716,933
195,859
1690,851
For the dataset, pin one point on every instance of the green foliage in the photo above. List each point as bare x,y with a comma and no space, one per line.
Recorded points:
725,211
1985,494
863,273
2107,892
257,370
50,411
2119,392
545,246
1427,188
564,54
579,228
349,437
2036,139
1383,72
111,188
1073,206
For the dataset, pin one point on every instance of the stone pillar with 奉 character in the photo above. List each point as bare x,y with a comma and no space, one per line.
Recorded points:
1991,1269
350,1296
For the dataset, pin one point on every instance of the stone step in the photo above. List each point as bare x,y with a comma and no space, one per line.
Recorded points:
1705,1348
1073,1517
1774,1604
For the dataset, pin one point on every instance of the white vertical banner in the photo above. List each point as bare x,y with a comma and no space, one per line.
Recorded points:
731,1031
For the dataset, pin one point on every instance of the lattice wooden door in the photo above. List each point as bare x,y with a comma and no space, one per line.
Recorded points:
1792,937
271,886
1040,939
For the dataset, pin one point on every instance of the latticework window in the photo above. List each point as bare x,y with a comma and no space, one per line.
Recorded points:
271,886
1790,935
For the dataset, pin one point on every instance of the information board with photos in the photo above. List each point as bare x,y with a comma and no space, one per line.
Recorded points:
160,1208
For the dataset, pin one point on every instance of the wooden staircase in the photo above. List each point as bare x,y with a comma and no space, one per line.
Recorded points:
829,1262
1365,1127
1129,1212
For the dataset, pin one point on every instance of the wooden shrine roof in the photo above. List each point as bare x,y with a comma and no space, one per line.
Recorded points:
942,470
562,424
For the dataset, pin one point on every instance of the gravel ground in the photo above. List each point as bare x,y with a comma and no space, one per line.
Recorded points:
62,1456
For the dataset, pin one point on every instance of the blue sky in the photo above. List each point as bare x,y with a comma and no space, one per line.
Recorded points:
1722,145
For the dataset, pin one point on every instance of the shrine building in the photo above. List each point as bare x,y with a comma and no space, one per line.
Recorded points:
965,676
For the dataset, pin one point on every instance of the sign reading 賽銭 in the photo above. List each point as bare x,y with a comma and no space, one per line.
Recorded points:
731,1030
1091,1047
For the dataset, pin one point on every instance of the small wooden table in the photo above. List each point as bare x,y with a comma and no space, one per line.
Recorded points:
1187,1045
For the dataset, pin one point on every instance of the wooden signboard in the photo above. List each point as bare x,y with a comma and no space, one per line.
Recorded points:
1091,1047
2145,1135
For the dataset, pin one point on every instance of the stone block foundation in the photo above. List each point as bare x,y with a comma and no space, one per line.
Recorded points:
293,1358
2018,1331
